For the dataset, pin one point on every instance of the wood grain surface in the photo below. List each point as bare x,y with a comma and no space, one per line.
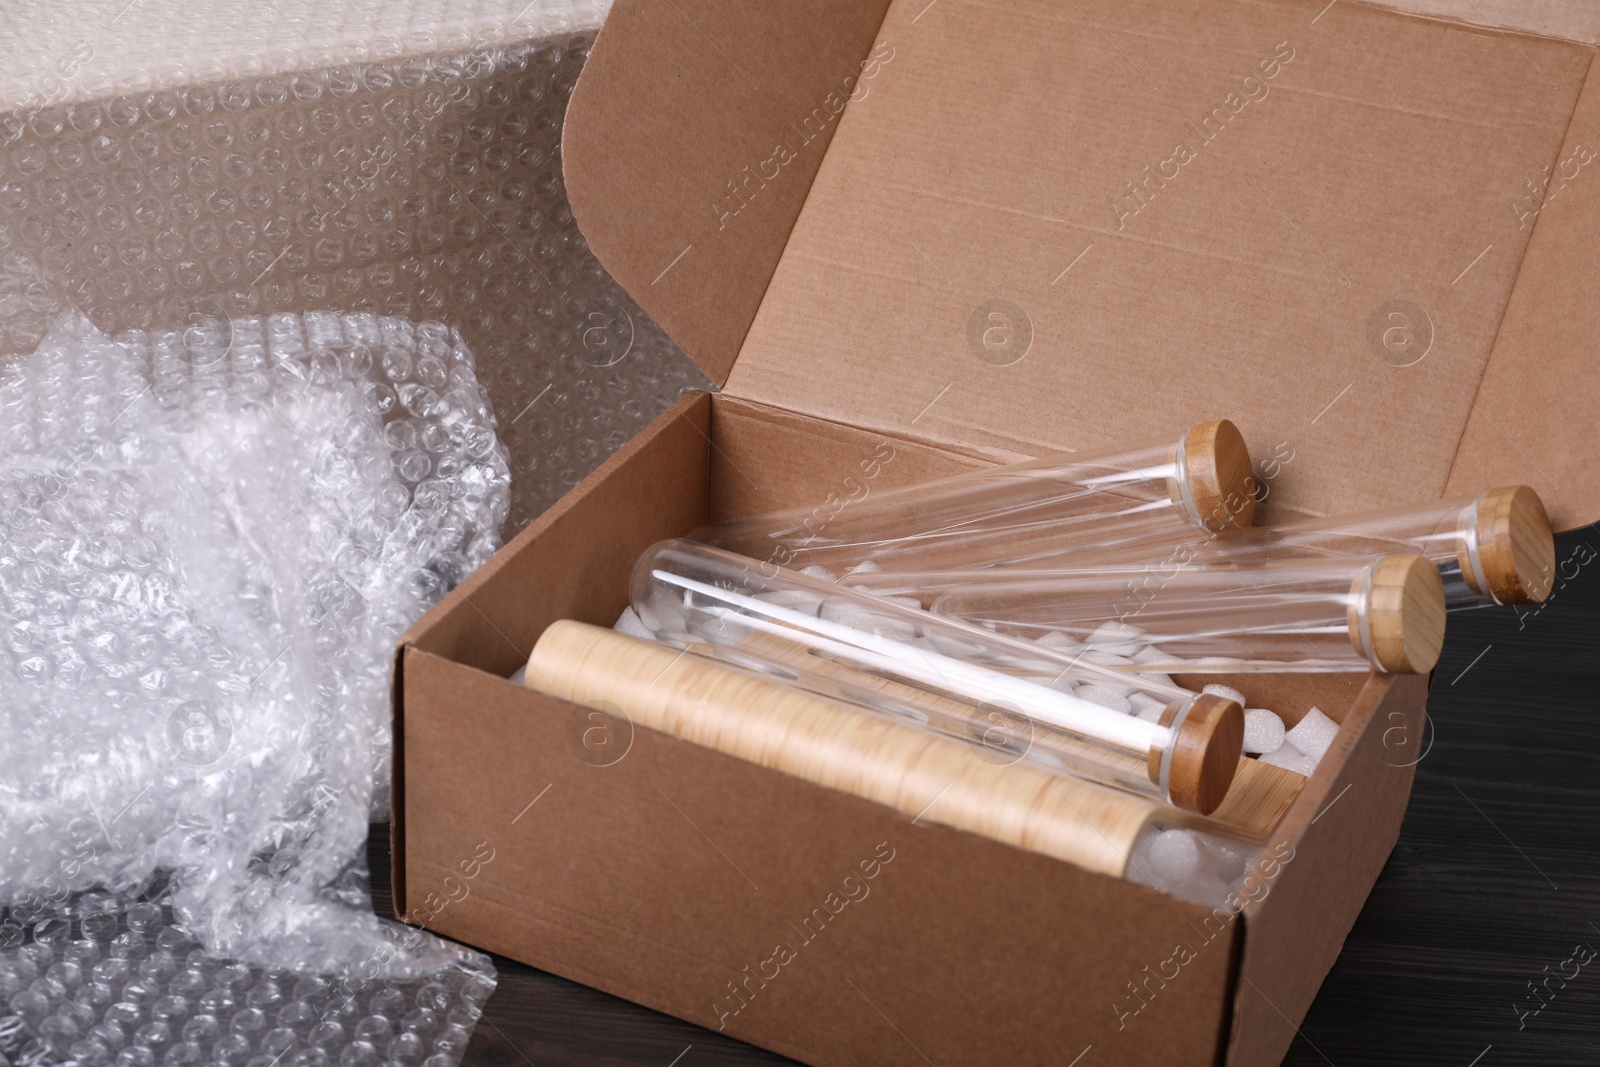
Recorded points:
1496,878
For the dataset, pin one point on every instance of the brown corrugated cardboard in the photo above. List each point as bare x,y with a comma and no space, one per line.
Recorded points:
1278,268
661,876
1569,20
938,198
758,75
1528,421
1366,171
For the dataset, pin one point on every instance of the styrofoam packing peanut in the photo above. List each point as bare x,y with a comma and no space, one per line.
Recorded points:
866,566
1173,856
873,622
802,600
960,647
725,629
519,676
1263,731
1117,637
1290,759
1314,733
1146,706
1227,692
1057,641
1114,632
1108,659
905,601
1149,713
1147,655
662,610
1226,858
1190,864
1204,888
1063,684
629,623
820,573
1106,698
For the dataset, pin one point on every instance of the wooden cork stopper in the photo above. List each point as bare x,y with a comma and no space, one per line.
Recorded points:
1219,477
1516,547
1405,615
1205,754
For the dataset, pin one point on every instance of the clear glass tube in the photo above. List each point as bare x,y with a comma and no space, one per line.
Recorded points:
1167,489
1010,698
1328,614
1492,548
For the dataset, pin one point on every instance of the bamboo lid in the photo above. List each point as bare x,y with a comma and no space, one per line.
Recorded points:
1218,488
1516,548
1205,754
1402,600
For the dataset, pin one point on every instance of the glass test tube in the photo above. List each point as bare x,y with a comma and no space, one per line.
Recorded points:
1010,698
1096,498
1493,548
1327,614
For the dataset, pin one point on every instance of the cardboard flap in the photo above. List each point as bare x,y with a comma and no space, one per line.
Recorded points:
1571,20
1532,420
1056,229
691,141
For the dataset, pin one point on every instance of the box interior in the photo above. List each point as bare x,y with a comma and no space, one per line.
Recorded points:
716,455
1039,176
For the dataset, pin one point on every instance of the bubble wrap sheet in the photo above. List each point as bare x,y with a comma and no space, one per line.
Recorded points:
426,186
314,230
212,540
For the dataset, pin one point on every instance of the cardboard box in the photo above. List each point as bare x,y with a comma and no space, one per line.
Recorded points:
1032,228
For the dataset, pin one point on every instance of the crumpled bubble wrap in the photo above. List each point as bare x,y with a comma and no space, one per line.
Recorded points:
209,551
350,181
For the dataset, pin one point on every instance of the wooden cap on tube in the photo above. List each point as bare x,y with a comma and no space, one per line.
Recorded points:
1218,486
1516,548
1205,754
1402,599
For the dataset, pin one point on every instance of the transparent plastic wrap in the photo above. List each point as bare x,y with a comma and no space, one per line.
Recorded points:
209,553
1159,491
257,214
1327,614
1493,548
1017,699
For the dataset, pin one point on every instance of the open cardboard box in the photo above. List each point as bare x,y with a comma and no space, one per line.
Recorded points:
1033,228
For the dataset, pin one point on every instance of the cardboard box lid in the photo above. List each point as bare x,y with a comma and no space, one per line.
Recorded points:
1036,229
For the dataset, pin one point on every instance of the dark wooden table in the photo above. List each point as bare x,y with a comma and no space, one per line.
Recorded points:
1495,883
